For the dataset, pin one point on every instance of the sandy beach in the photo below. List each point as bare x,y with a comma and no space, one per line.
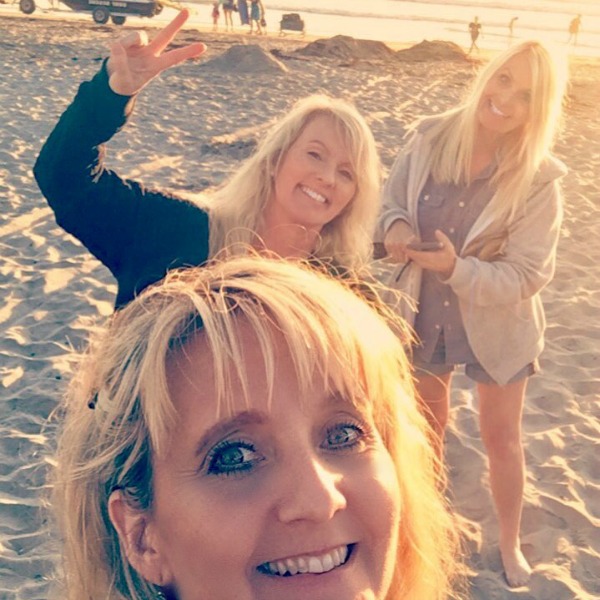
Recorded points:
190,130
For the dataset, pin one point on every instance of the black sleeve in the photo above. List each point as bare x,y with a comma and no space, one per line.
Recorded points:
138,234
89,201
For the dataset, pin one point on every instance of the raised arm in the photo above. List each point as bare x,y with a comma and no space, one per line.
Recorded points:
91,202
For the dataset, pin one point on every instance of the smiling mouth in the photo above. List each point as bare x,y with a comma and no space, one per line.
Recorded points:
496,110
309,563
314,195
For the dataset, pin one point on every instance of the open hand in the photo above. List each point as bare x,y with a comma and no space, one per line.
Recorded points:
441,261
134,61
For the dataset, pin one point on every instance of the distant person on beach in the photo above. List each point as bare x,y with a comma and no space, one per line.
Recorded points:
243,11
257,16
511,28
574,26
479,185
249,430
228,8
474,31
215,16
310,191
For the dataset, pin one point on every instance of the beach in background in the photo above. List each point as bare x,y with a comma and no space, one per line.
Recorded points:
191,128
409,22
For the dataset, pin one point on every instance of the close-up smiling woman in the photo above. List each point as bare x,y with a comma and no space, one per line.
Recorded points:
249,431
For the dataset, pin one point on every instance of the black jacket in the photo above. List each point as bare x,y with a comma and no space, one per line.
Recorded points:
137,233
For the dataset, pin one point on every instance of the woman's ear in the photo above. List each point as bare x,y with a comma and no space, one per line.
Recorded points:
138,540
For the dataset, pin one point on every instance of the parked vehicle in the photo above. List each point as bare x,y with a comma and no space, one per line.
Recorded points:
291,22
27,6
103,10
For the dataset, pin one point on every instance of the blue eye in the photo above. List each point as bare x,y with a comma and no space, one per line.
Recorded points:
314,154
233,457
343,436
349,175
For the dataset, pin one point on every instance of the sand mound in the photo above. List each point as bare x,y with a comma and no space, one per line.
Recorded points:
436,50
243,58
347,48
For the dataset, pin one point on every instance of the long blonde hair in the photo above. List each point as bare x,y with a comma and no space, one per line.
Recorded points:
522,151
236,209
328,331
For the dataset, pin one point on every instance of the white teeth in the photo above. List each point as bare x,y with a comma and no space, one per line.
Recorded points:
292,567
302,565
314,195
496,110
307,564
328,562
315,565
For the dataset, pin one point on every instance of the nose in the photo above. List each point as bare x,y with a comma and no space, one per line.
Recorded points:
505,97
327,174
310,492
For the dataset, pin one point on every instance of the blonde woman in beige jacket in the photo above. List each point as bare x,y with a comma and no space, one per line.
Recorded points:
479,186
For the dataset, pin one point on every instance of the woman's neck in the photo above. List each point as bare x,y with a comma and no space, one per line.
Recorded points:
485,148
288,241
282,235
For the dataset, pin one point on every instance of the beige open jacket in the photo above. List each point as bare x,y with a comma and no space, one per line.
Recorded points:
501,268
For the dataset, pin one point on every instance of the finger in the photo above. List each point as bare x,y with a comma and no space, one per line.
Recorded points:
174,57
116,59
390,247
135,39
398,255
443,238
164,36
118,71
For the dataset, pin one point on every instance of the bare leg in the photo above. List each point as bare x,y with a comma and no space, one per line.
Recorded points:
501,409
434,395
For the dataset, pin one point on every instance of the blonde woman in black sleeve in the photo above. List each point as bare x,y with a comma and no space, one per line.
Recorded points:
310,191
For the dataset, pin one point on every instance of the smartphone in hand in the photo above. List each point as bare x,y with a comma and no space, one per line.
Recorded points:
425,246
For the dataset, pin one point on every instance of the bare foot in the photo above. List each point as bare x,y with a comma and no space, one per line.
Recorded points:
516,567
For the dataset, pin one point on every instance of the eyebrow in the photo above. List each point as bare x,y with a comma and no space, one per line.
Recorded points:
506,69
241,419
255,417
325,147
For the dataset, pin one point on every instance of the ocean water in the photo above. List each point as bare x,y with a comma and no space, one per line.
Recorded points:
416,20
